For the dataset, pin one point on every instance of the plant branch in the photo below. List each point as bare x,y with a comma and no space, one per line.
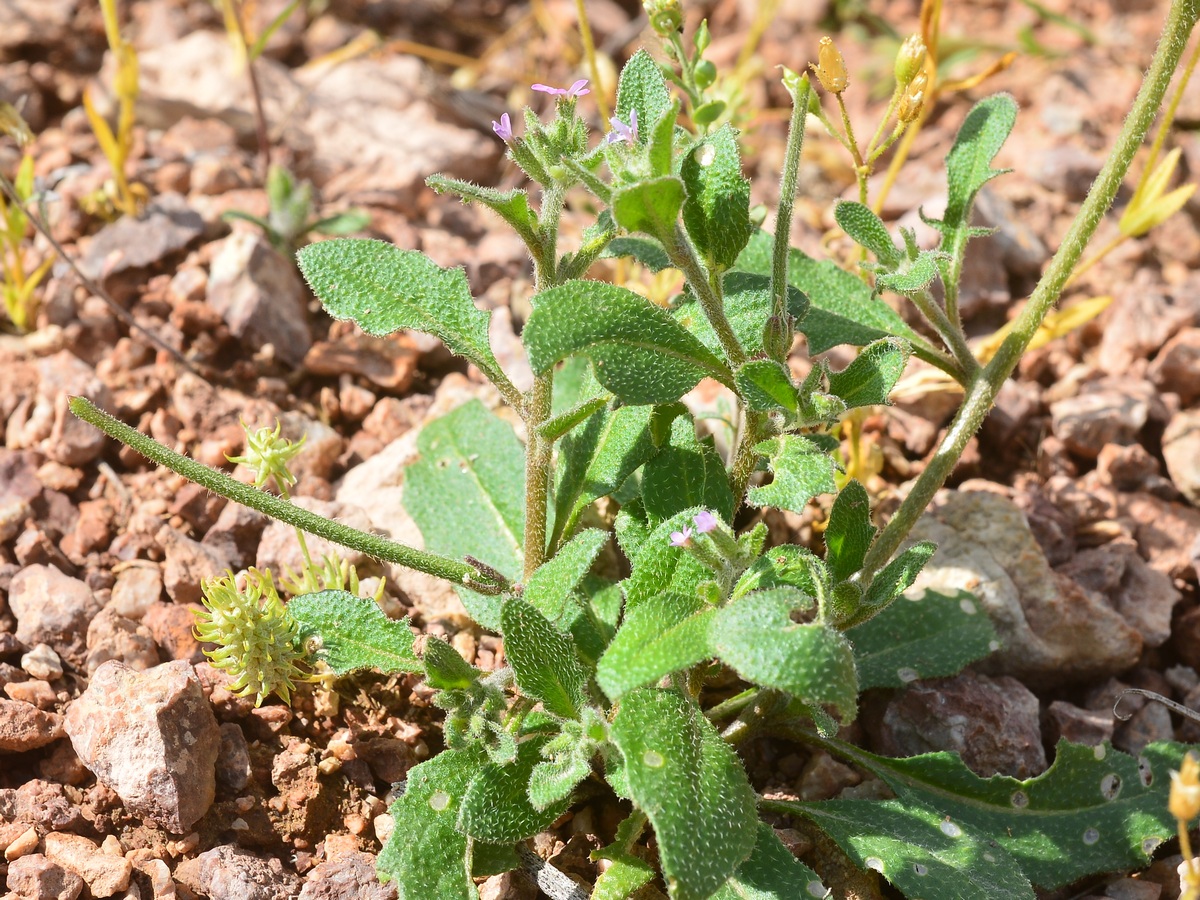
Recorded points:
683,257
981,395
277,508
787,193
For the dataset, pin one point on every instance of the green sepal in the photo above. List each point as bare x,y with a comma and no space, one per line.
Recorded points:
349,633
707,113
801,471
717,210
870,378
911,276
426,855
692,787
638,350
496,806
665,633
543,659
662,141
929,635
566,760
784,566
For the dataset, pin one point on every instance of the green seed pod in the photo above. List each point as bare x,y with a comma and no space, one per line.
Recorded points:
666,16
706,74
910,60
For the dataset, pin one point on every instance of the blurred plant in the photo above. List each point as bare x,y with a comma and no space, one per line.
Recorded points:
124,197
20,301
290,219
1184,803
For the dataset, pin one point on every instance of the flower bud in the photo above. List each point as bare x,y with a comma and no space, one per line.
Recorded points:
666,16
913,99
910,61
705,74
777,337
830,67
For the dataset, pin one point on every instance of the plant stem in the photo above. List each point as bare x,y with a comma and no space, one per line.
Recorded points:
683,257
537,472
787,196
277,508
745,458
982,393
953,337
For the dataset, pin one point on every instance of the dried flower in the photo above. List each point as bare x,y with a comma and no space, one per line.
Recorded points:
830,67
681,538
623,133
705,522
1184,799
503,128
578,89
910,61
913,99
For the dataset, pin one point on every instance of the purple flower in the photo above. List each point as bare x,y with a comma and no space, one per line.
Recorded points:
578,89
503,128
681,538
705,522
623,133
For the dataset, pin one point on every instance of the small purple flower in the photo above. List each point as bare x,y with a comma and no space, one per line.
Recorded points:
578,89
705,522
503,128
622,133
681,538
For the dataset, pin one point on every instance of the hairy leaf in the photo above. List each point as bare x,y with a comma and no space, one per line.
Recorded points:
692,787
642,87
466,492
512,206
646,251
772,873
912,276
496,806
426,855
383,289
717,209
445,669
353,633
801,471
766,385
657,566
747,305
867,230
664,634
756,636
686,473
870,378
640,353
543,659
651,206
927,635
784,566
898,575
550,586
849,533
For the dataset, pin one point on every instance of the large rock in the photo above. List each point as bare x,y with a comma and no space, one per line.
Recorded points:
1051,630
152,738
1177,367
53,608
260,296
43,421
1181,450
134,243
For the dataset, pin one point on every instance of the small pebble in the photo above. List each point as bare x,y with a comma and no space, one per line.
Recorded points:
42,662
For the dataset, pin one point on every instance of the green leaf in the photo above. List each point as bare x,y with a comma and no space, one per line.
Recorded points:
867,230
512,206
870,378
445,669
924,636
658,567
801,471
642,87
784,566
551,585
566,760
849,533
344,223
968,165
353,633
647,251
543,659
383,289
692,787
766,385
1094,810
898,575
844,310
492,859
466,492
662,141
639,352
650,206
771,873
684,474
426,855
757,638
596,457
912,276
664,634
496,807
717,209
623,878
747,306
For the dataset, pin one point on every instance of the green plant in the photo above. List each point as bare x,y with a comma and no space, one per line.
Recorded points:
609,678
20,301
290,218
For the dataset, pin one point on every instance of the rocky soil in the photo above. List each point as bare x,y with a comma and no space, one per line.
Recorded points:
128,769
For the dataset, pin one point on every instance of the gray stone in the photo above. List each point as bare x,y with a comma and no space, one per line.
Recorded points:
152,738
260,296
112,636
188,563
137,588
132,243
1181,450
1177,366
52,608
231,873
1051,631
1065,721
1086,422
1143,316
348,875
991,722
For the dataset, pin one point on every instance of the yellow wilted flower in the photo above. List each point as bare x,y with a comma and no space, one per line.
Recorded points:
830,67
1150,206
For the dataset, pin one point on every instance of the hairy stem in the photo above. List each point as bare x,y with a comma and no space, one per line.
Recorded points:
683,257
982,393
787,195
537,472
277,508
